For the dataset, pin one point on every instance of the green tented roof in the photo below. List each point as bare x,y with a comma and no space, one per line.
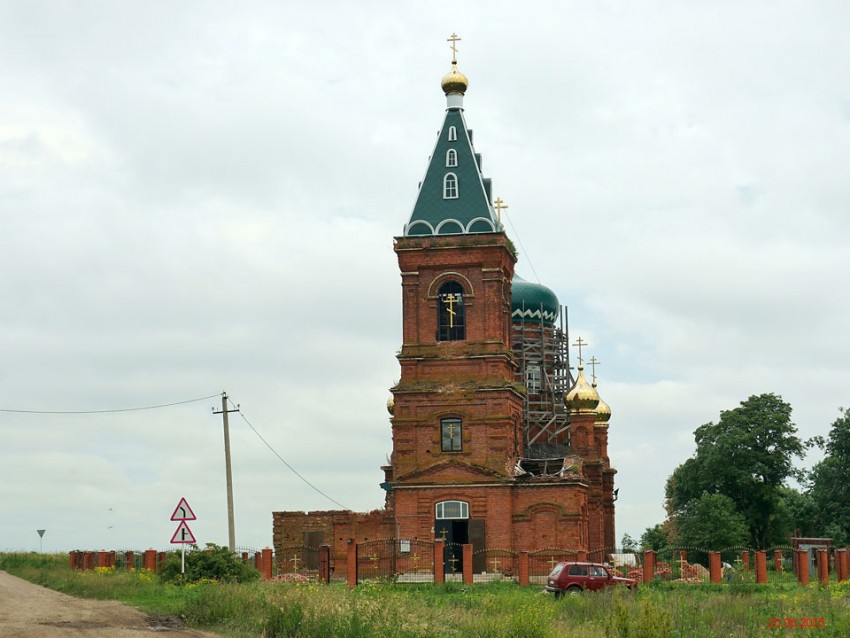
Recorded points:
470,211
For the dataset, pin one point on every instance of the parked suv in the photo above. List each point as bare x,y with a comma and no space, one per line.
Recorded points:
574,577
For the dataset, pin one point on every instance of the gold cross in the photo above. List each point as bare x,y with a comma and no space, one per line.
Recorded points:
499,205
444,533
450,300
451,430
374,558
496,562
415,558
453,561
552,563
454,39
580,342
593,363
294,561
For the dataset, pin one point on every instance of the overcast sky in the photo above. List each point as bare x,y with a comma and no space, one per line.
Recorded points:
201,197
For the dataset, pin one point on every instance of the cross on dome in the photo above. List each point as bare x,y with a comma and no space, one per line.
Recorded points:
580,342
454,39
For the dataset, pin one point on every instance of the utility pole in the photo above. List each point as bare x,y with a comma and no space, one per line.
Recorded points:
231,529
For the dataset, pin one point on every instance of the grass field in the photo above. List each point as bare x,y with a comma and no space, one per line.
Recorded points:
499,610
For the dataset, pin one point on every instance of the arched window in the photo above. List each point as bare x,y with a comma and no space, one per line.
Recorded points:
450,186
451,509
451,157
451,318
451,439
452,134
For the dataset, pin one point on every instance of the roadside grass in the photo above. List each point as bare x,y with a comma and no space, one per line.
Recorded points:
497,610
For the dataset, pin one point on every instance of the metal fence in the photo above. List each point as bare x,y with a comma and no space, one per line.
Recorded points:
541,562
403,561
489,565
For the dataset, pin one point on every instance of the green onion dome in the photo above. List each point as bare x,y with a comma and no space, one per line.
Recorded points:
532,302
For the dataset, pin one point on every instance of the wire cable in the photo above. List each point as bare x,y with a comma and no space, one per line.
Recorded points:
283,460
525,253
147,407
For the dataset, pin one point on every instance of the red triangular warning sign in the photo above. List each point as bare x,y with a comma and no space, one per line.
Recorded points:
183,512
183,534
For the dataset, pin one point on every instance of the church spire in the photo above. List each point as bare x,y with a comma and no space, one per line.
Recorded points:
454,198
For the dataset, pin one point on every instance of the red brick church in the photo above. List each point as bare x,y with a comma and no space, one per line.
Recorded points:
495,443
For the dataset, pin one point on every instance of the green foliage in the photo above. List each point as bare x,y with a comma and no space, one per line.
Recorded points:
830,483
711,522
655,538
748,456
214,563
629,544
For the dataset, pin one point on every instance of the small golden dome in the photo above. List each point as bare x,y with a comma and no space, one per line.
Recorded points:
391,405
454,82
603,412
583,397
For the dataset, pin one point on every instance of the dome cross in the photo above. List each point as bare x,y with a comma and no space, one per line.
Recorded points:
593,361
579,343
454,39
499,205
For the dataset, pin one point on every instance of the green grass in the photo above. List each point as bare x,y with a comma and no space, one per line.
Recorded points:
498,610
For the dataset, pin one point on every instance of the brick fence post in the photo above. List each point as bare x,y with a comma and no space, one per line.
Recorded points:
88,560
325,564
777,560
761,567
72,560
802,566
823,566
351,564
523,568
649,559
149,560
129,561
715,567
841,564
244,557
467,564
745,560
160,563
268,562
439,565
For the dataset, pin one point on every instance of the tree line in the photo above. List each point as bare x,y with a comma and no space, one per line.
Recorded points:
734,490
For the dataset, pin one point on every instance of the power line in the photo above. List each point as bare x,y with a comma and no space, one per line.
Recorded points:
283,460
524,251
147,407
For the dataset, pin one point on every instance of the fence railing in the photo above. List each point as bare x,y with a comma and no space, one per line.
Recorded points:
422,561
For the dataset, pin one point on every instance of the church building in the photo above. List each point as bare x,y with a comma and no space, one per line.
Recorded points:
494,441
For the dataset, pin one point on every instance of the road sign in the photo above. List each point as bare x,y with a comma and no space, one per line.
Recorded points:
183,512
183,534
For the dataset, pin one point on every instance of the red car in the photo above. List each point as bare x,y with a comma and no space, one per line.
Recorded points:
574,577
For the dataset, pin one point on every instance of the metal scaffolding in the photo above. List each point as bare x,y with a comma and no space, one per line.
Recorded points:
543,357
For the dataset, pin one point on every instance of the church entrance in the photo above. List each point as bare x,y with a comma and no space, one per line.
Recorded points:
453,525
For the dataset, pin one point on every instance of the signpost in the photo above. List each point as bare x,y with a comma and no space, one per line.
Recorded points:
183,535
41,540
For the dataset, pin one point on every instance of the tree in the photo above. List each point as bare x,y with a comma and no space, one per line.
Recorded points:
655,538
213,563
830,483
747,456
711,522
628,544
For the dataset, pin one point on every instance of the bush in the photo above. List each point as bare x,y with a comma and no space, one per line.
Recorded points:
215,563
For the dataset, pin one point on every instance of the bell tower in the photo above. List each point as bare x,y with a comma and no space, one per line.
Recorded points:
457,407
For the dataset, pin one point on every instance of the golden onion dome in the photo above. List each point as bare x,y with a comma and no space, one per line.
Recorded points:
583,396
391,405
603,412
454,82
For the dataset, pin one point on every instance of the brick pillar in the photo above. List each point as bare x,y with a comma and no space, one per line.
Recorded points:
72,560
467,564
267,563
523,568
351,571
88,560
325,564
149,560
745,560
777,560
439,566
761,567
103,558
649,560
841,564
823,566
244,557
715,567
129,561
802,566
258,561
162,557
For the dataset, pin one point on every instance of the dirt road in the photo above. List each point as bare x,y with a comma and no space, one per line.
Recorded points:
31,611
